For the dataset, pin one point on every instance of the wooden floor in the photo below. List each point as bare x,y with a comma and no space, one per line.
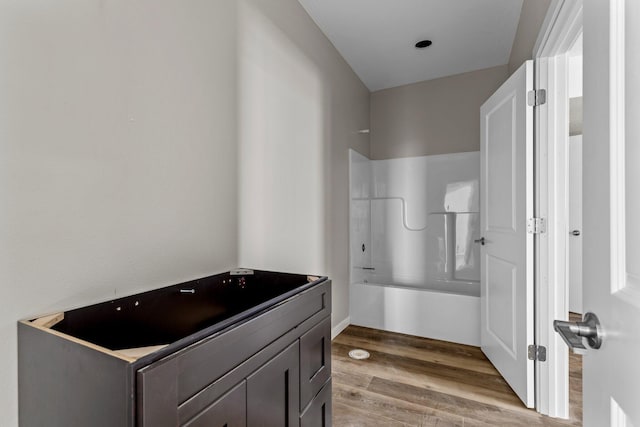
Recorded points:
411,381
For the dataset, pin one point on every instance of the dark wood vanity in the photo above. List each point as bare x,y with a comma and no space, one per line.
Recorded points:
243,348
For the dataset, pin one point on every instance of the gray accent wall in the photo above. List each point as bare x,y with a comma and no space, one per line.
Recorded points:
437,116
137,151
300,107
531,18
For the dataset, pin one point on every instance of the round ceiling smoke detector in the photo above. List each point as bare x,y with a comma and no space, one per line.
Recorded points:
423,44
359,354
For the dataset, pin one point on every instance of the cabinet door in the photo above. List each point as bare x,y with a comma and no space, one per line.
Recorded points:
228,411
273,394
315,360
318,413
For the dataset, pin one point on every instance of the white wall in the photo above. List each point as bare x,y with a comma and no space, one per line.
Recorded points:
119,160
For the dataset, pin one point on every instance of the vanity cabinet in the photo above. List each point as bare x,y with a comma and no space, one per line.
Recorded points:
265,362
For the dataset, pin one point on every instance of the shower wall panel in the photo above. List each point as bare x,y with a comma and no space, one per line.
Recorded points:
360,222
422,217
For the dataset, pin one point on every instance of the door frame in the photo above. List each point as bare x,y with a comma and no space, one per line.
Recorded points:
561,28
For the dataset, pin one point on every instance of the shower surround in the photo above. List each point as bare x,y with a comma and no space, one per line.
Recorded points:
414,264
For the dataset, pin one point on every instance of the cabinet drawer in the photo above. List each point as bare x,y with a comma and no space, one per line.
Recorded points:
319,411
228,411
315,360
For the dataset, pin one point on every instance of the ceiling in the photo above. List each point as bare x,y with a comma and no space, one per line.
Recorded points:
377,37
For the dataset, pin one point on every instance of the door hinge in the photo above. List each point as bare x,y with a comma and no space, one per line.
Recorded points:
536,226
537,352
536,97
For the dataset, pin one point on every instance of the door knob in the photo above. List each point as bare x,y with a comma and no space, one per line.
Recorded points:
573,332
481,240
575,233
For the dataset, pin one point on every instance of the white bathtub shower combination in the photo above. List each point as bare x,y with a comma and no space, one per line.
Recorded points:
414,266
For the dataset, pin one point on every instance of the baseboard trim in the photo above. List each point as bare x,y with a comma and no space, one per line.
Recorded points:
340,327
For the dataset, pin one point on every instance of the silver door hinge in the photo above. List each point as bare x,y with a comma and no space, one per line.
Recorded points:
536,97
536,225
537,352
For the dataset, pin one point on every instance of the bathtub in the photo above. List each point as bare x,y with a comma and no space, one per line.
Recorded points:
414,266
441,309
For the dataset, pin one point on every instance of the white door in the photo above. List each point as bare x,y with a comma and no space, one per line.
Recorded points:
506,152
611,209
575,223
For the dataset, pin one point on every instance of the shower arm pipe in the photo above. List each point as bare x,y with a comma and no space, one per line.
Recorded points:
403,204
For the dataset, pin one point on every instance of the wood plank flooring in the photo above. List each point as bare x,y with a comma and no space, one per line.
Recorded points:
412,381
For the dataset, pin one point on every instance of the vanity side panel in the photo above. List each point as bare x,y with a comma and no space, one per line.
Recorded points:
64,383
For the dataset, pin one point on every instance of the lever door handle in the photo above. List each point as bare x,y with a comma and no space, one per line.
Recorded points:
481,240
573,332
575,233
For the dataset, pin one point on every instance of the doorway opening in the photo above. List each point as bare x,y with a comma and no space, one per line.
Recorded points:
558,55
574,188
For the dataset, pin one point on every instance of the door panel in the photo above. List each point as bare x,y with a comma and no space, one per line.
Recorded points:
500,177
506,152
575,223
500,297
611,155
273,391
